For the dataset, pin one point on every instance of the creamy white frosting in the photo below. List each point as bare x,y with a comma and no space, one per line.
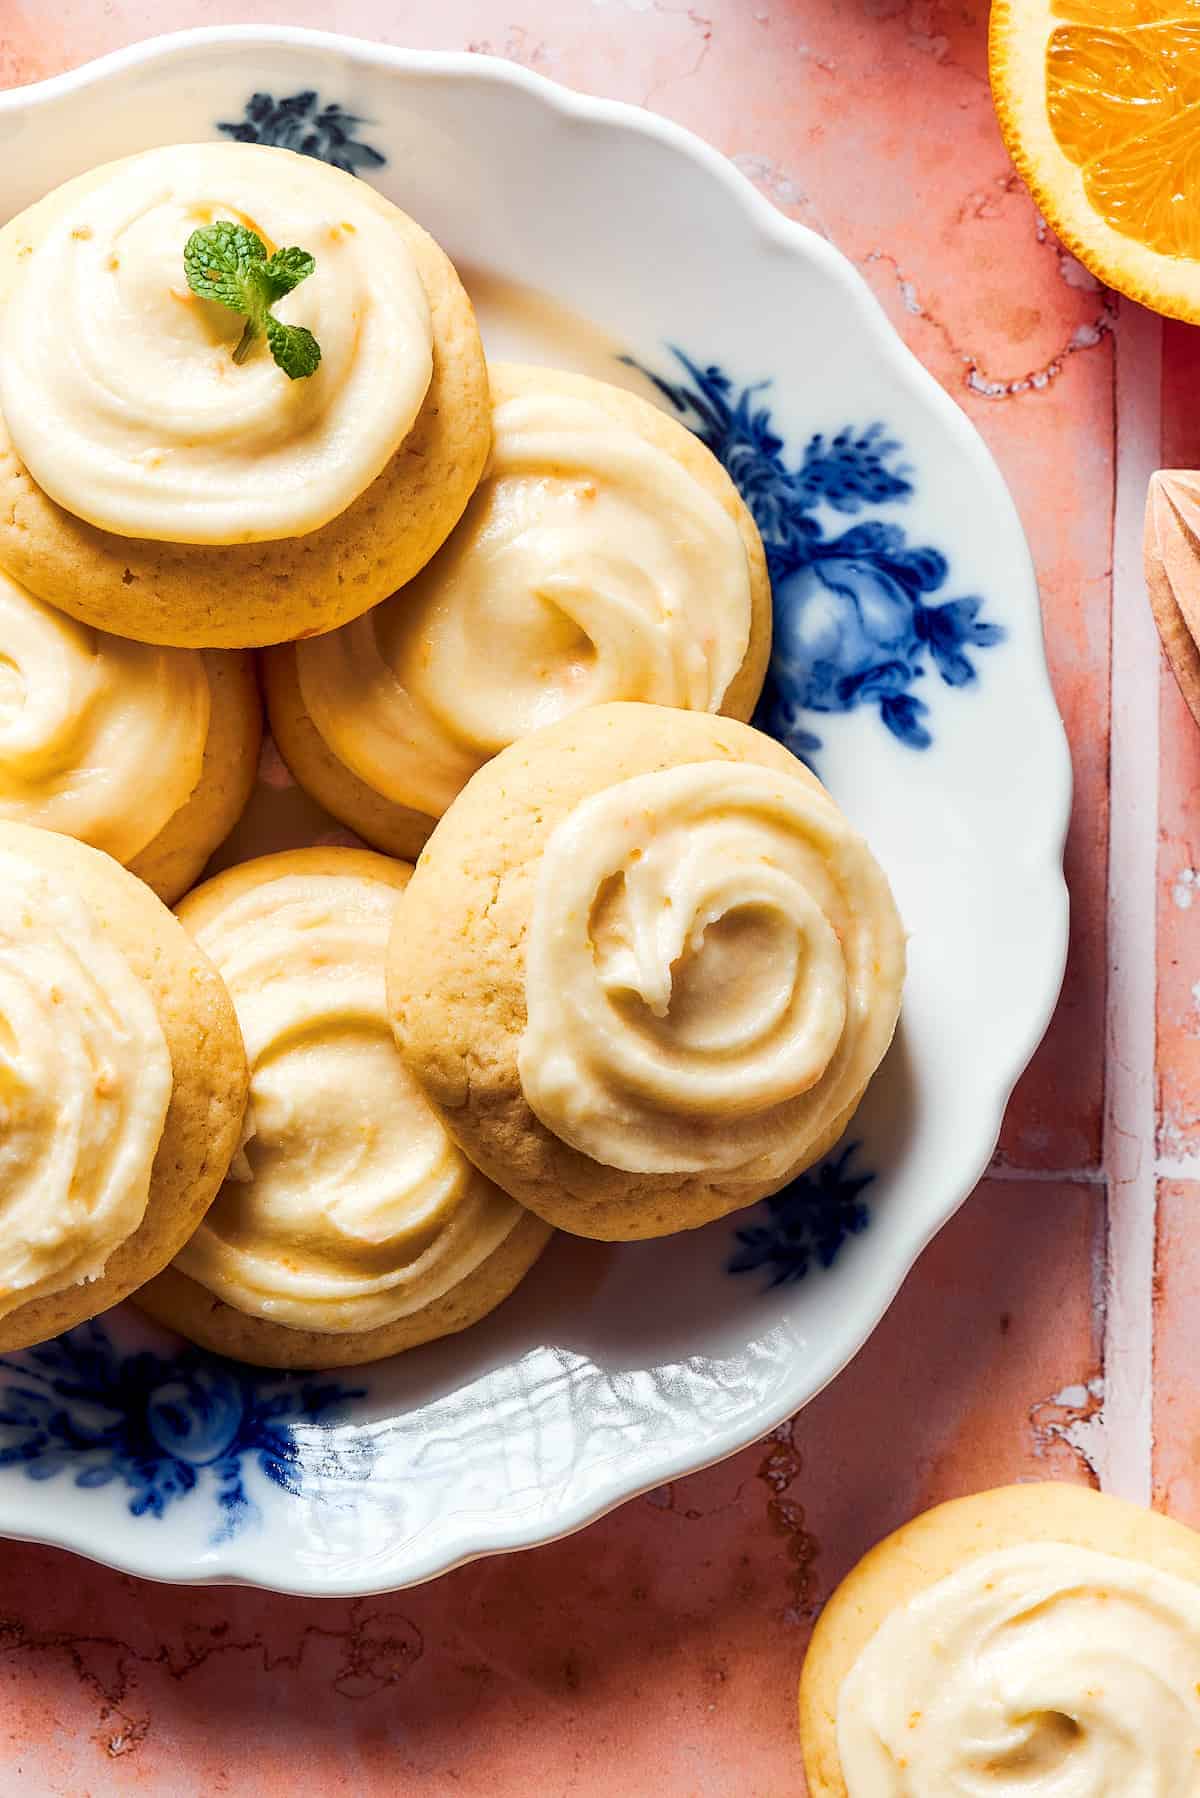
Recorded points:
712,971
348,1206
117,382
590,566
1041,1671
100,738
85,1081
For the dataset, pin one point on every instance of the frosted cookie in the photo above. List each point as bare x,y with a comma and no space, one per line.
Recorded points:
605,555
645,969
122,1084
153,486
350,1226
145,752
1036,1639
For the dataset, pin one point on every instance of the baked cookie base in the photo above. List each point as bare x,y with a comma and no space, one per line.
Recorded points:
184,1305
392,828
173,861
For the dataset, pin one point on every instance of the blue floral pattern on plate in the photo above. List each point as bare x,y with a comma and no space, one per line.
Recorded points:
165,1426
300,122
853,622
808,1222
853,627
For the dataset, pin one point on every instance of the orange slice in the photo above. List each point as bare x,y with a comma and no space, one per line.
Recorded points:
1099,103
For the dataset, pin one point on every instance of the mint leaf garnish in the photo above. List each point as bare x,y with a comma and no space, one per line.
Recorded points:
294,348
229,263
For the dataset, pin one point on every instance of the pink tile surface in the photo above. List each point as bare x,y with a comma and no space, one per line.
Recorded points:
1177,1246
658,1650
1177,1397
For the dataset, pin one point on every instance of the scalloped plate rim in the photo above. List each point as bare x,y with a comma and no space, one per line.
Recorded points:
486,1536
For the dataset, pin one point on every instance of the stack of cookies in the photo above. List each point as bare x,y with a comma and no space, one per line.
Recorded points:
513,622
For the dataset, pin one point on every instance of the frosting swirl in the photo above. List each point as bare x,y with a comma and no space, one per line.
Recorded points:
590,566
1045,1670
85,1081
100,738
712,971
348,1205
117,382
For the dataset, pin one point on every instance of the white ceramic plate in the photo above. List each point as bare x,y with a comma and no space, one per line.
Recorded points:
909,669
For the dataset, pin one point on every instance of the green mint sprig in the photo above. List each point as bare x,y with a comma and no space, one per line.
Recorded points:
228,263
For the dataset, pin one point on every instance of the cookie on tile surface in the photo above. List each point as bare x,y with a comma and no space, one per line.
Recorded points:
1035,1633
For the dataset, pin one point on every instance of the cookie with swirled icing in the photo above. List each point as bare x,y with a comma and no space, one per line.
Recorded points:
1033,1640
145,752
605,555
350,1226
645,969
122,1083
154,488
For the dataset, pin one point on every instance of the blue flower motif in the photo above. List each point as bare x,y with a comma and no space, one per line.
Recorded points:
300,122
854,624
164,1427
809,1220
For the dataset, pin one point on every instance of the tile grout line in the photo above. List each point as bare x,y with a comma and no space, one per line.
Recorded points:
1166,1167
1045,1176
1130,1025
1178,1167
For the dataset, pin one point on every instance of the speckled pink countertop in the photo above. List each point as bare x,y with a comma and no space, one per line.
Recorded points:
1051,1330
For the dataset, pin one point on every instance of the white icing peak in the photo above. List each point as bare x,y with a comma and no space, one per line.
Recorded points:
713,971
1040,1671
